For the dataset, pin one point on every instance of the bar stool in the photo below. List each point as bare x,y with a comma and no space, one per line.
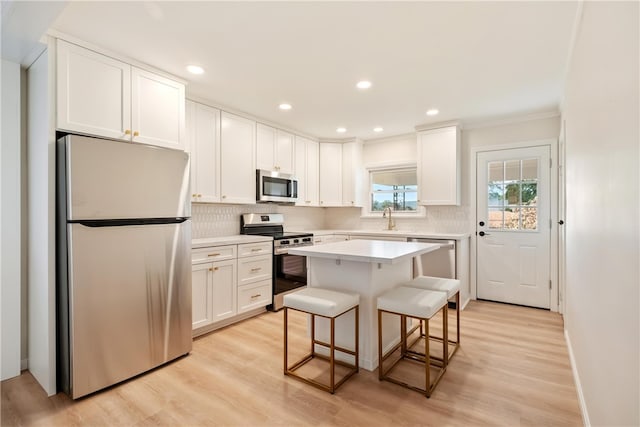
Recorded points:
452,288
331,305
417,304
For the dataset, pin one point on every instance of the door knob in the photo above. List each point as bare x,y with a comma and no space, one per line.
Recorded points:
481,223
561,222
482,233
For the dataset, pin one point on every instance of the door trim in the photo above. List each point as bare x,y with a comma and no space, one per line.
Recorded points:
552,143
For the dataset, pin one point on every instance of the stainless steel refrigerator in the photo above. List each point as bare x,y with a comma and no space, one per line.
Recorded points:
123,260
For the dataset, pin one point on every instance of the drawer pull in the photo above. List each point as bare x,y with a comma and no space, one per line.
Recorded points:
216,254
253,270
256,249
256,296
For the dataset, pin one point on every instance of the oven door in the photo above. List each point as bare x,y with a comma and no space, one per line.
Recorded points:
289,274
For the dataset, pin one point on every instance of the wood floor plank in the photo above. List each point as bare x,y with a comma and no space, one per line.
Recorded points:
512,369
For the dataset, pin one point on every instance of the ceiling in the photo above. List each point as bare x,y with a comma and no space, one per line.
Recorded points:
470,60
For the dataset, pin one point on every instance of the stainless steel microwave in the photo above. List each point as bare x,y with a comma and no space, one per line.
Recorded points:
276,187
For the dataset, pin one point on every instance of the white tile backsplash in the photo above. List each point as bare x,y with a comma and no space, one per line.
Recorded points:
217,220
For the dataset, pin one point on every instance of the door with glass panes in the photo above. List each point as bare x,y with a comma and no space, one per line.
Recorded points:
513,228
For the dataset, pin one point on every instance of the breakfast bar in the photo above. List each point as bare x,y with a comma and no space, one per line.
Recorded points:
369,268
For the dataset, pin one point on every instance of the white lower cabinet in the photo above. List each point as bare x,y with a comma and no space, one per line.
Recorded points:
254,295
228,282
224,289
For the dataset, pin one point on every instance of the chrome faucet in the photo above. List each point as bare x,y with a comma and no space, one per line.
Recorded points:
390,225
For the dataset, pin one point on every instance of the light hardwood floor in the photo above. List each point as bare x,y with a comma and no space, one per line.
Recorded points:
512,369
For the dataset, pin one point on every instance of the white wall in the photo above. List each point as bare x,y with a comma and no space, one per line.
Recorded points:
443,219
601,116
10,219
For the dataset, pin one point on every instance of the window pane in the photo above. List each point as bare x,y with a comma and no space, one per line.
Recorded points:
512,194
512,201
529,218
496,217
496,194
529,194
402,201
395,188
530,169
512,219
512,170
395,178
496,171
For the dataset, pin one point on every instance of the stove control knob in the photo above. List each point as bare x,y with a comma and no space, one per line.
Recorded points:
296,241
284,242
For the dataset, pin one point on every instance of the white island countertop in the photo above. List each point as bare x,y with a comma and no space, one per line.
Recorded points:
371,251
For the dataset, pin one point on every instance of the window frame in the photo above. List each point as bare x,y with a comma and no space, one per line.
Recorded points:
420,211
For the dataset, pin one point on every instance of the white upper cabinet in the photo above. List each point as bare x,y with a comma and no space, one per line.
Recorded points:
157,110
274,149
306,171
352,174
330,174
99,95
203,144
439,166
237,159
93,92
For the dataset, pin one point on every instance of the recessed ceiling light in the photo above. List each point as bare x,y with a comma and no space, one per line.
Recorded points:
341,130
194,69
378,129
364,84
284,106
432,112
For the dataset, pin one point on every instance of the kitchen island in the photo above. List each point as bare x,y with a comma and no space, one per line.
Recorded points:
369,268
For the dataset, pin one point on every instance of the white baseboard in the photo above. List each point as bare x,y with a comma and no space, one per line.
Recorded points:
576,379
24,364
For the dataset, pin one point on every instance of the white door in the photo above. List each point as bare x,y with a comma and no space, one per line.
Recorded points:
93,93
157,110
330,174
513,226
237,159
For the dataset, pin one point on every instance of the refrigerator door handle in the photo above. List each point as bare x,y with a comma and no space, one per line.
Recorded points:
127,221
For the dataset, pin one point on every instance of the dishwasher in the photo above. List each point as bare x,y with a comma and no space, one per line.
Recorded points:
438,263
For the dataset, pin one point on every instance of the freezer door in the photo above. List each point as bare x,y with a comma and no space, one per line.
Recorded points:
120,180
129,301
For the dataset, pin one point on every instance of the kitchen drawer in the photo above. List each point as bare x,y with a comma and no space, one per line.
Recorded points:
254,269
252,249
254,295
214,253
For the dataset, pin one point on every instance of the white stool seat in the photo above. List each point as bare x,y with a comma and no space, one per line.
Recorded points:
450,286
414,302
323,302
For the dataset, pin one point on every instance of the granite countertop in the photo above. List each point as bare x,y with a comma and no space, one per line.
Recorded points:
372,251
229,240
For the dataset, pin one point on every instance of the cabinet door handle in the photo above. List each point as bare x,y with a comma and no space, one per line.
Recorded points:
255,269
224,197
127,131
256,249
136,133
194,195
255,296
214,269
216,254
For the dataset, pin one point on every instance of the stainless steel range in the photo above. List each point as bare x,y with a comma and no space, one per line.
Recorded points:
289,271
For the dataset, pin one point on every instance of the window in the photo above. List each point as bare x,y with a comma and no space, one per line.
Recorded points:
395,188
513,195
